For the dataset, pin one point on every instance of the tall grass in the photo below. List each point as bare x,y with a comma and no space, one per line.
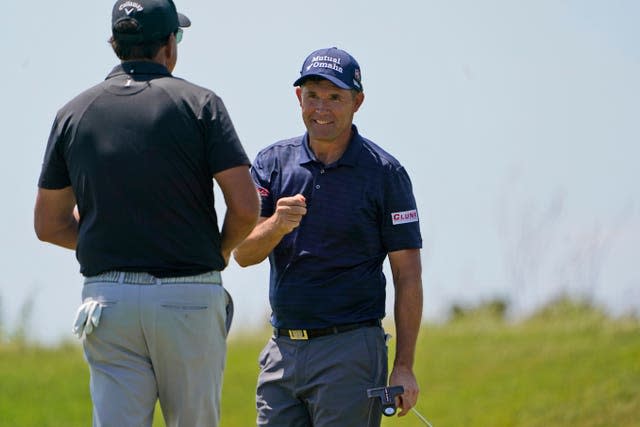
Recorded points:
43,387
568,365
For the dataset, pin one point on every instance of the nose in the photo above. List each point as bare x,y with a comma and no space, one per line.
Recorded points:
320,105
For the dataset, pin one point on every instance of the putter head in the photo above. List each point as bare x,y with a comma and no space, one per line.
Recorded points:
387,396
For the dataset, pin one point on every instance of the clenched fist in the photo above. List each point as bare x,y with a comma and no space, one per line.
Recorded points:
289,212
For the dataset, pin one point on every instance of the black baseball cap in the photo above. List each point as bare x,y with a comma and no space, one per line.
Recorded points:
155,19
333,64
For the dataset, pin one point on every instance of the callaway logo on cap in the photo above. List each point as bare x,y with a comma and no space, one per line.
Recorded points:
154,19
332,64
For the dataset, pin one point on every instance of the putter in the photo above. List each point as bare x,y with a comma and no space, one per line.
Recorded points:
387,396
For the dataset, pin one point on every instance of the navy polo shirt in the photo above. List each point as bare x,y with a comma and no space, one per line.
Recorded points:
140,150
328,271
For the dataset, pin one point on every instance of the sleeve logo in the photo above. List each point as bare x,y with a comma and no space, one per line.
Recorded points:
404,217
263,192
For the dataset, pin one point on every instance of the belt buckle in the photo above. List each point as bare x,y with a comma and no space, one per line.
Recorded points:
298,334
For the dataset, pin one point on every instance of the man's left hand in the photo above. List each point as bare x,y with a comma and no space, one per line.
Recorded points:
406,378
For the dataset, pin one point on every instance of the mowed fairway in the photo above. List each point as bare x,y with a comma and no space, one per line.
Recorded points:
568,366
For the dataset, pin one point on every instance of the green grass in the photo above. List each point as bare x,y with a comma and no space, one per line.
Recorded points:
567,366
43,387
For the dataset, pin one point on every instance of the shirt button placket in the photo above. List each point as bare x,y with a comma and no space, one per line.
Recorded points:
321,173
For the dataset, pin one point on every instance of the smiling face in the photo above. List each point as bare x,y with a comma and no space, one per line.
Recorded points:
327,111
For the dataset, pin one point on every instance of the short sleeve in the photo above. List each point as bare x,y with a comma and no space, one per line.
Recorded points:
54,174
224,150
400,222
261,175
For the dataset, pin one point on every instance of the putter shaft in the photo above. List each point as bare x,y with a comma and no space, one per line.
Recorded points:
421,418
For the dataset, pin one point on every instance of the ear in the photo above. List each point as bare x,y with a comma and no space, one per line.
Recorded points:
299,94
358,100
170,51
171,41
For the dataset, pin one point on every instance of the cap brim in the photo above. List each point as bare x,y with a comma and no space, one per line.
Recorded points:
336,81
183,21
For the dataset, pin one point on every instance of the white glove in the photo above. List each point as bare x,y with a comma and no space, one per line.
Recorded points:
87,318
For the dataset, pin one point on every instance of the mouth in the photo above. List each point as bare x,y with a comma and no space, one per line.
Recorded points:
322,122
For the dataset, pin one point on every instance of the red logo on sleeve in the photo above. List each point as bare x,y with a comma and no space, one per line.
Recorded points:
404,217
263,192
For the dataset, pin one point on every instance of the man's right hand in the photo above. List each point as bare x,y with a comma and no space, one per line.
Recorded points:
289,213
270,231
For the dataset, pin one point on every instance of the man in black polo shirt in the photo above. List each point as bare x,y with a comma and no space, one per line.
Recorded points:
334,206
138,154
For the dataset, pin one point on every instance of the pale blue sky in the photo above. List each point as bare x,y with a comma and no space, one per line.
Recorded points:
515,120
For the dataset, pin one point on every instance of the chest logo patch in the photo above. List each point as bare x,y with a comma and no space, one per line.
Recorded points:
404,217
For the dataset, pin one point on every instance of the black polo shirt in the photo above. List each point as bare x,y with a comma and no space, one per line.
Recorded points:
140,150
328,271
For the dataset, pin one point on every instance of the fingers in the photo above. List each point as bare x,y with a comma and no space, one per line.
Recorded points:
94,314
297,200
81,319
404,405
87,318
408,399
289,212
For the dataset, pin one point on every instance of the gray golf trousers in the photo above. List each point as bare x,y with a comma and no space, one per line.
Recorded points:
322,382
158,338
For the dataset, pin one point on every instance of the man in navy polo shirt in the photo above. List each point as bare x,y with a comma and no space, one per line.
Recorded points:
138,154
334,206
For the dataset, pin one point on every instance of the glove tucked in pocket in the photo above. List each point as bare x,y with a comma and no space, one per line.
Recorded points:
87,318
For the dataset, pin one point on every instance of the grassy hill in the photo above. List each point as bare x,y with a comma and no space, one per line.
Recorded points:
568,365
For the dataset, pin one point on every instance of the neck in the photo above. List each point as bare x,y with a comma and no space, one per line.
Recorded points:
329,152
166,56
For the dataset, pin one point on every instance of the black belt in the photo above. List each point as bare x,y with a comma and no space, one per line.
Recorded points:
307,334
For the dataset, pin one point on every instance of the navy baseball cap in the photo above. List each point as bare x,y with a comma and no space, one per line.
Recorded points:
332,64
155,19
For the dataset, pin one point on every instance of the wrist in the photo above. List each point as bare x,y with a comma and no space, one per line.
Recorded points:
403,365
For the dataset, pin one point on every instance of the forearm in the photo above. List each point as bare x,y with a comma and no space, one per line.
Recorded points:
408,317
259,244
234,230
269,231
65,234
407,278
243,207
55,219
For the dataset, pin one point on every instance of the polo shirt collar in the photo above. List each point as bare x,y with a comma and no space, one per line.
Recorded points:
349,157
139,67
